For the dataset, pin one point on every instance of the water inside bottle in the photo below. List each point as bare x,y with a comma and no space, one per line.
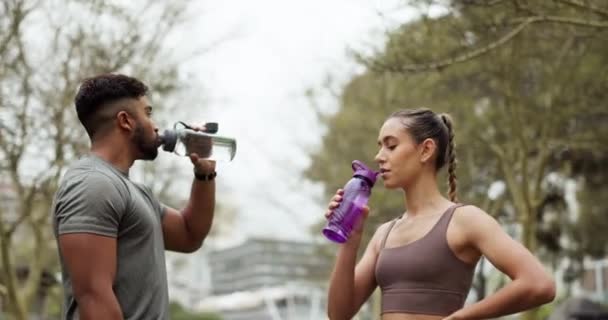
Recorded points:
215,148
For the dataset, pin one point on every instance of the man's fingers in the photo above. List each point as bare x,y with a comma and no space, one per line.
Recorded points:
194,158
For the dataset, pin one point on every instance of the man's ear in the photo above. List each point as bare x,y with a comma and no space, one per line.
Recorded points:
427,149
125,121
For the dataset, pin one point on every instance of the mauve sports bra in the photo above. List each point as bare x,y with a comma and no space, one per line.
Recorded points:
424,276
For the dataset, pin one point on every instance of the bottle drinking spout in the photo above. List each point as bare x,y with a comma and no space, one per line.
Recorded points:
206,144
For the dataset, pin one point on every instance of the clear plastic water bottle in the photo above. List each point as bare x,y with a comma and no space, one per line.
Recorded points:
356,194
206,144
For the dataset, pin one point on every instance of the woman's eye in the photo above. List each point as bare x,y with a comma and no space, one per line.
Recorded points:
392,147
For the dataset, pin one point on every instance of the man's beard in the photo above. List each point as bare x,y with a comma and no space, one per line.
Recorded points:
147,149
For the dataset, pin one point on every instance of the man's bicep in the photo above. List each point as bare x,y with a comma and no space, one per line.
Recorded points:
90,260
175,231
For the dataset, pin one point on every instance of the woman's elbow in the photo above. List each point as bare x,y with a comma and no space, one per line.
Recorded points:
337,316
543,291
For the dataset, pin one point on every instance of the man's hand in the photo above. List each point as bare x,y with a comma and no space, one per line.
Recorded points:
202,166
185,231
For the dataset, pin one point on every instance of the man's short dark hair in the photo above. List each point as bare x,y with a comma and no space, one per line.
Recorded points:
98,92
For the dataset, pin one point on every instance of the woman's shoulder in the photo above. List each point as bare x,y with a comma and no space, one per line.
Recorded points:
385,227
469,211
381,232
472,218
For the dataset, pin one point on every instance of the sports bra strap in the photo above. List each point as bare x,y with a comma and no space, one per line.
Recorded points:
390,227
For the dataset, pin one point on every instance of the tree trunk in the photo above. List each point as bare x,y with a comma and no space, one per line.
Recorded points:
16,307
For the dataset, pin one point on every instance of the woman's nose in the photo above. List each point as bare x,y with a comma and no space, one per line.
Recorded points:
379,158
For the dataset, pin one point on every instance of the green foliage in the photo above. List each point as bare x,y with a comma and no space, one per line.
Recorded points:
528,112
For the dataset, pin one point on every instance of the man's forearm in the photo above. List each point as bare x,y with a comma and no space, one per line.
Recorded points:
198,214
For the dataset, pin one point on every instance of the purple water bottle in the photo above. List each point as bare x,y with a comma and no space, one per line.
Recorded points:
356,193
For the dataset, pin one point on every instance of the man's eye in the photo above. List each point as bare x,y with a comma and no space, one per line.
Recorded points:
392,147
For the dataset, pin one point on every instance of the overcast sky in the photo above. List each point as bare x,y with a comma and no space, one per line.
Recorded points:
255,80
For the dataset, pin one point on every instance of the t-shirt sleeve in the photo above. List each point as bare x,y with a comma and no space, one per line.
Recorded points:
93,204
159,207
162,210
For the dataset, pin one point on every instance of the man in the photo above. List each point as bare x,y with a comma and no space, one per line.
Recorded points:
112,232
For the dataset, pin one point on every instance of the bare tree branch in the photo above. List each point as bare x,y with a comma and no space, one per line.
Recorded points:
16,15
565,20
35,267
586,6
8,270
483,2
454,60
441,64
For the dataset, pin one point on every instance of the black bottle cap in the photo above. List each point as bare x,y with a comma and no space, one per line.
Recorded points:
211,127
168,139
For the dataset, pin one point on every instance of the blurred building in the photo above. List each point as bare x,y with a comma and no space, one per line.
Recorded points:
260,263
188,277
267,279
594,282
578,309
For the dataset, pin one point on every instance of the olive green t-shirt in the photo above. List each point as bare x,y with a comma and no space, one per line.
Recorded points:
95,197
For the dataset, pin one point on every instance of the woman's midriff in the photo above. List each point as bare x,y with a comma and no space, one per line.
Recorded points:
409,316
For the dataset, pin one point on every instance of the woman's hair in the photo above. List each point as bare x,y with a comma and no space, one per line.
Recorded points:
424,124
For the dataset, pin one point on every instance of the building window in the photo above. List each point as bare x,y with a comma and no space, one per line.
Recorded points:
588,280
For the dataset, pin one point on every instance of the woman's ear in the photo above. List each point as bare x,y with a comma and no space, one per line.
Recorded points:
427,149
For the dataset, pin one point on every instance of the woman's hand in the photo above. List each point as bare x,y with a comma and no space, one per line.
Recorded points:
454,316
359,225
334,203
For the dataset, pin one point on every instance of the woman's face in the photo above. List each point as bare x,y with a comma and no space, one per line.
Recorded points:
400,157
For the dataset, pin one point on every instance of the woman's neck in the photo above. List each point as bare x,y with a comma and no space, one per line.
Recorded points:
423,196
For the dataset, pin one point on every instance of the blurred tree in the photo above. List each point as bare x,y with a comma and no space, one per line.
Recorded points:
525,82
46,49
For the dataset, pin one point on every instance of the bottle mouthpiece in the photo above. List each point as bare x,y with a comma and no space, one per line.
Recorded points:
168,140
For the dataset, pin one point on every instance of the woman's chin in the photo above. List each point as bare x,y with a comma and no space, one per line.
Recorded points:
389,185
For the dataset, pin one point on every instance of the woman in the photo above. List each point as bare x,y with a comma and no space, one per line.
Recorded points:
424,260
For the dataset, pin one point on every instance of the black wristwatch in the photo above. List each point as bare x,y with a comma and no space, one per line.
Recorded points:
205,177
